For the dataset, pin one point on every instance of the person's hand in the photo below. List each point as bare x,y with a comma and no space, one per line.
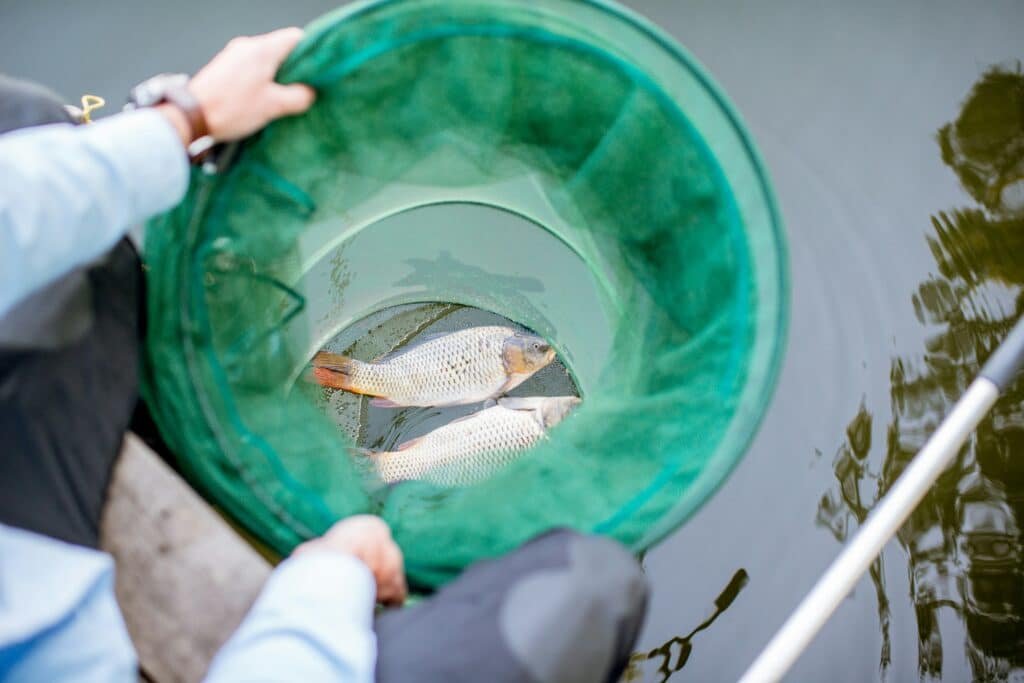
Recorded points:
368,539
237,92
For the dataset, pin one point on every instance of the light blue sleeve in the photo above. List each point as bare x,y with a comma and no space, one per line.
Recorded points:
69,193
59,620
312,622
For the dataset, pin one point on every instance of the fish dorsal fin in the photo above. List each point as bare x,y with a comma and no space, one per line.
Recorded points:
408,444
384,358
378,402
420,341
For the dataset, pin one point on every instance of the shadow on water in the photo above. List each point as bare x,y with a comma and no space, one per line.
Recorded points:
426,271
964,540
673,654
506,292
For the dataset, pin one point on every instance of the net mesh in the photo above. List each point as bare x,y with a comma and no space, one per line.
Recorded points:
654,184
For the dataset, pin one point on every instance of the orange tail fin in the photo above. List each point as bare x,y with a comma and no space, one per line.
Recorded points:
332,361
334,370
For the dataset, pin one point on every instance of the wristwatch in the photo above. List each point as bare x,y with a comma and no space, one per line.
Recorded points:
173,89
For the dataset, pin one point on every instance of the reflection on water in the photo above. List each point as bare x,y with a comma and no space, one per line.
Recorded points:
985,145
673,654
853,500
964,539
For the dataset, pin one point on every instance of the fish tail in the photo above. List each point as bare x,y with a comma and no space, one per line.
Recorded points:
335,371
333,361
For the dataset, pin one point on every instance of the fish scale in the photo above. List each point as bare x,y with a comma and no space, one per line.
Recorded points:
491,437
444,370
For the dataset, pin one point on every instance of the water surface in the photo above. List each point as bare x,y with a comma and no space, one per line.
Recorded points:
906,255
906,259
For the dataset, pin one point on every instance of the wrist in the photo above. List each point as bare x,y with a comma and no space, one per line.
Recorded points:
171,95
178,121
318,545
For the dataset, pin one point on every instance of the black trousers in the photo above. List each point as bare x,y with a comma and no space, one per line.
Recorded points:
563,608
64,410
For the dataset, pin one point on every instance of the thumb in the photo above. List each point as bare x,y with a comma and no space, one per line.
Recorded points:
290,99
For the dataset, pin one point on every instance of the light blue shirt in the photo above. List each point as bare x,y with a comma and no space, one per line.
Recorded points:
68,194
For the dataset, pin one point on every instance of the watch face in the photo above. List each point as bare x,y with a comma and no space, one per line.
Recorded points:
153,90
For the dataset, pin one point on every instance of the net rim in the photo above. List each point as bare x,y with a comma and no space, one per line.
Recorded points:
745,422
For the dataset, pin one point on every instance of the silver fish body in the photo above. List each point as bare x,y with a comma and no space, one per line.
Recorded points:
468,366
469,449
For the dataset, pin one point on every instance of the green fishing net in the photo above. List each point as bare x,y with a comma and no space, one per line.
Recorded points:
574,119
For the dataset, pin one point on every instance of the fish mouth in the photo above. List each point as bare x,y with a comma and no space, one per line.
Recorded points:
540,348
526,354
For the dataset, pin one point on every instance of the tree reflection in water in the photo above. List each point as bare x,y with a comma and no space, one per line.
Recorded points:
672,655
964,539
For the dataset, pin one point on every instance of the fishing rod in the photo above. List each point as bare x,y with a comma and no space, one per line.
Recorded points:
890,512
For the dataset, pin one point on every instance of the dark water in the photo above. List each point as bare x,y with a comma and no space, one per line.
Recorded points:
906,260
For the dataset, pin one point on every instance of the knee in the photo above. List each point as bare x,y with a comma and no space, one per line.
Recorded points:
603,576
576,616
608,573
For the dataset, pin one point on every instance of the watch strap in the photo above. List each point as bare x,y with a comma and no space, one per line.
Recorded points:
182,98
173,89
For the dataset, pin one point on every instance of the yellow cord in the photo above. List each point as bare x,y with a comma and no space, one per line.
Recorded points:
90,103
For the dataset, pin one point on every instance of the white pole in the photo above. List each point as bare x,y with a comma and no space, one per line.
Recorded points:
886,519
